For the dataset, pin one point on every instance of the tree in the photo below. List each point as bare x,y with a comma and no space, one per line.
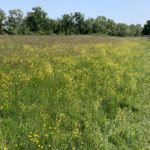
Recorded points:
57,27
14,21
146,29
67,24
132,28
100,25
78,23
2,18
122,29
88,26
139,29
50,26
37,20
111,26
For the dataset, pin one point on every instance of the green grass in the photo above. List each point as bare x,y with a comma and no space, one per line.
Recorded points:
74,93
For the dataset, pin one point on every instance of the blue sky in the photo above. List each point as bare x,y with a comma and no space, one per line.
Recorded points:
127,11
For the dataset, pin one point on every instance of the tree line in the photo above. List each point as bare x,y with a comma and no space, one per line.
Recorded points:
37,22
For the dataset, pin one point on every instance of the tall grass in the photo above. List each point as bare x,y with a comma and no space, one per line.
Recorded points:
74,93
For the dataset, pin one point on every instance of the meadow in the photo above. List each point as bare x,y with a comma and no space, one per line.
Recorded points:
74,93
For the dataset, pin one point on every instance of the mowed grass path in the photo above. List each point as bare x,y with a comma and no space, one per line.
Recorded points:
74,93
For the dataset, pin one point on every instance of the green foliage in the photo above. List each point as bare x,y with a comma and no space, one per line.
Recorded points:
88,26
122,30
67,24
146,30
37,22
78,23
74,93
100,25
2,18
14,21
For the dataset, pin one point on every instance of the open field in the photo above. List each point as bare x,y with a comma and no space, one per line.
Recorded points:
74,93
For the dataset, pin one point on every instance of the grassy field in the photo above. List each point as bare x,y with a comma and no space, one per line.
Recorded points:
74,93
